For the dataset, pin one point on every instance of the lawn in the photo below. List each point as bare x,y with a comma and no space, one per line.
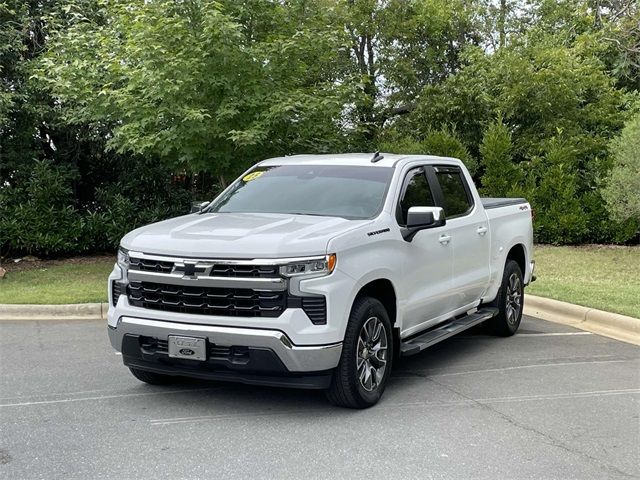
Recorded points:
604,277
598,276
81,282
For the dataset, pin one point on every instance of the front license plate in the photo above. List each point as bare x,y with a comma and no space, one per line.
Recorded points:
187,347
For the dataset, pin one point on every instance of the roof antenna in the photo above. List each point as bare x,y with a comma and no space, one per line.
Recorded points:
377,157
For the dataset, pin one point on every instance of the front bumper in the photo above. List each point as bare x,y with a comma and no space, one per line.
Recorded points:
264,351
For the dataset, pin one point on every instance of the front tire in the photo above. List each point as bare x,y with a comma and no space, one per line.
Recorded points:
367,352
152,378
509,301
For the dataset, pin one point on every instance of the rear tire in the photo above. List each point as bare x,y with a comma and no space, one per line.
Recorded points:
152,378
367,353
509,301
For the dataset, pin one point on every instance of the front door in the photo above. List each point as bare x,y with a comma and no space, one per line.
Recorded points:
428,260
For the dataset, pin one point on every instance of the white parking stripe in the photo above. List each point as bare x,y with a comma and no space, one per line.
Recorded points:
555,334
535,365
552,396
454,403
105,397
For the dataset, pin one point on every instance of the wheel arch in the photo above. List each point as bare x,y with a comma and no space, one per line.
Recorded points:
518,254
382,289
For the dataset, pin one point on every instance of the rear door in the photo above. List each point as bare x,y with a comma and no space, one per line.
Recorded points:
470,237
428,259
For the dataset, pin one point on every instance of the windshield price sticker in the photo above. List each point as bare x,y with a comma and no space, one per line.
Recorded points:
252,176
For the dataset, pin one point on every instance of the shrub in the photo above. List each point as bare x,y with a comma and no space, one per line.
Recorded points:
37,215
501,177
622,188
551,187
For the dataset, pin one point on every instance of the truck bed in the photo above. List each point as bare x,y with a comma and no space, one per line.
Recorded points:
489,202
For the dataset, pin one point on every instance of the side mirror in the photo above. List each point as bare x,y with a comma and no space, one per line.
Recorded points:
197,207
421,218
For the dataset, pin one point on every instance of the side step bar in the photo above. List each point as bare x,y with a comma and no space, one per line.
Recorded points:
446,330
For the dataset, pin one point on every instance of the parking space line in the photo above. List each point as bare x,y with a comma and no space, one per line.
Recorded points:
551,334
553,396
452,403
535,365
104,397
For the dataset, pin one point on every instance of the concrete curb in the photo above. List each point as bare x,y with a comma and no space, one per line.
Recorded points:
80,311
613,325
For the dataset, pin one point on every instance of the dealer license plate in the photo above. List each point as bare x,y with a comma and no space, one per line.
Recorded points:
187,347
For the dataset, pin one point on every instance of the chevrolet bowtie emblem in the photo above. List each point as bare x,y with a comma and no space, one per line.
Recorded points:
189,269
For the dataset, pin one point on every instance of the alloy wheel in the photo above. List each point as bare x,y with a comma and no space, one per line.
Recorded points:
371,356
514,298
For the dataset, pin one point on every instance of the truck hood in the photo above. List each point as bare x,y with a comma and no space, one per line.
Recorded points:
239,235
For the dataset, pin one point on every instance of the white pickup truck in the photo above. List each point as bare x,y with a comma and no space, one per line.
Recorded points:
316,271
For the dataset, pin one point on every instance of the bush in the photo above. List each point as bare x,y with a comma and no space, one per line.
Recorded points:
502,177
622,188
551,188
143,193
37,215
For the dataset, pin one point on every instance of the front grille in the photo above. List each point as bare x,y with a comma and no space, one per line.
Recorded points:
253,271
147,265
217,269
207,300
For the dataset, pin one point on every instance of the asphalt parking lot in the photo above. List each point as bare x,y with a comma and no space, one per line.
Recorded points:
551,402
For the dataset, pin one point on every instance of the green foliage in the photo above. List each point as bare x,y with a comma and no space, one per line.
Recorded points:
40,215
443,142
37,215
142,194
552,187
185,83
104,102
558,108
502,177
622,187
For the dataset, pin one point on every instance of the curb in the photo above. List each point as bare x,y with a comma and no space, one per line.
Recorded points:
613,325
80,311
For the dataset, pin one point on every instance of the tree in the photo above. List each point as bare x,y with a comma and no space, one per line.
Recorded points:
187,82
501,177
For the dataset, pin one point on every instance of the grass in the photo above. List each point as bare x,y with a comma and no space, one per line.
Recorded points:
597,276
72,283
603,277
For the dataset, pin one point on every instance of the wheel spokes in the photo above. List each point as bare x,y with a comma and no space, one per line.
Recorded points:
371,356
513,303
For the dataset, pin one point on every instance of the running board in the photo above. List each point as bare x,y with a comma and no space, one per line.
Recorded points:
449,329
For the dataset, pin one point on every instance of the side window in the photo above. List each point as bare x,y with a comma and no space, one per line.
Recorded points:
456,199
416,194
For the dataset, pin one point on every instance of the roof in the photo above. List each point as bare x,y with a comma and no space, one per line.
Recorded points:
352,159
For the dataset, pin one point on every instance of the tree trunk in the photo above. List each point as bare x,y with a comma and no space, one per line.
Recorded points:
502,20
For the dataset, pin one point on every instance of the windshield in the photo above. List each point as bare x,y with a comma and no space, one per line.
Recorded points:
352,192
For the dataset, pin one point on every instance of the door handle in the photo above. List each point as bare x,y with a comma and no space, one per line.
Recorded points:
444,239
481,230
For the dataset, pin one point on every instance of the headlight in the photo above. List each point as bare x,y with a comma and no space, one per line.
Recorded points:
313,266
123,258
